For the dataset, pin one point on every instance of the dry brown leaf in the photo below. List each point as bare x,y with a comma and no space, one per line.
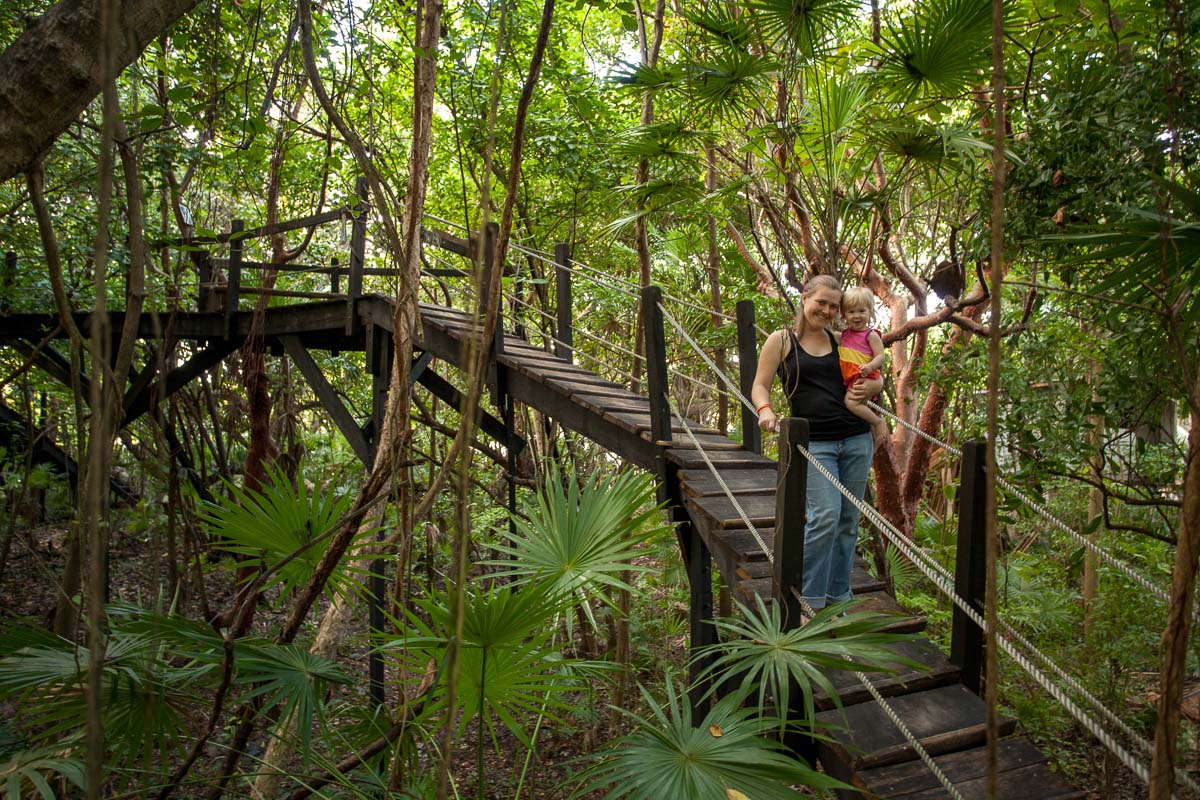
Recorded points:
715,730
1059,215
734,794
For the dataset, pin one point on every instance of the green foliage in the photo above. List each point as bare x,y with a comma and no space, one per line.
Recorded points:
938,49
769,658
668,756
578,536
508,663
285,524
28,773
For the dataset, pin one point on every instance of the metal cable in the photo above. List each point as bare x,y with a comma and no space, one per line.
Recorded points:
1052,689
1047,515
921,752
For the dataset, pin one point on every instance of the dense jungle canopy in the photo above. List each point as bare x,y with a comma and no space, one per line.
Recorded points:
206,635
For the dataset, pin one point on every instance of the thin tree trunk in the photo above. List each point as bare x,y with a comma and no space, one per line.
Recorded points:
1179,615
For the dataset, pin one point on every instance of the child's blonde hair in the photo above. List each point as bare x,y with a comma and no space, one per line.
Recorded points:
859,297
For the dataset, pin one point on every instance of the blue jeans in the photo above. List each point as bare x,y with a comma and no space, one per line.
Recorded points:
831,529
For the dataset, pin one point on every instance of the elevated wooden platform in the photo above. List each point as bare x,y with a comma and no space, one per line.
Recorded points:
865,748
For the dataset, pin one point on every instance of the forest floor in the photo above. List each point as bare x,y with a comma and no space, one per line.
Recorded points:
563,747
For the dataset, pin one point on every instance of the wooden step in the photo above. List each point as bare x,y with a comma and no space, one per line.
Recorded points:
721,459
708,441
719,513
702,483
877,601
933,669
861,581
639,423
944,719
1022,774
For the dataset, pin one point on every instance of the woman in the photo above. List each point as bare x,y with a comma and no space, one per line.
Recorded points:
806,359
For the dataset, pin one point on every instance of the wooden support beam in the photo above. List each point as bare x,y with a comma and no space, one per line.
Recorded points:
139,402
233,282
7,278
790,508
657,380
257,233
747,343
419,365
447,392
970,565
328,397
358,255
565,346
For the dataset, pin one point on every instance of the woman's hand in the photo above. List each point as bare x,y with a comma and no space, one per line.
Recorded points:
767,420
858,392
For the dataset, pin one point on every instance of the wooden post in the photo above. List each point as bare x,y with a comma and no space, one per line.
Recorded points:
656,371
233,284
335,278
379,363
702,633
6,281
565,348
203,280
791,498
747,343
358,255
970,578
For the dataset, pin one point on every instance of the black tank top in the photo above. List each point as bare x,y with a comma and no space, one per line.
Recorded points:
817,392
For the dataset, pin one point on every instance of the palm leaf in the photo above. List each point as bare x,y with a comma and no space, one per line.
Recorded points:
667,756
937,51
30,767
806,25
768,658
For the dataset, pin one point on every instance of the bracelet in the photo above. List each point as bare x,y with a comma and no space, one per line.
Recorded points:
760,408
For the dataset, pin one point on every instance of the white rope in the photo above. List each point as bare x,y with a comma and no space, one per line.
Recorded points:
901,543
458,225
921,752
1043,512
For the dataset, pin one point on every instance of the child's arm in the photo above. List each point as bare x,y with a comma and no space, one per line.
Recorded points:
880,354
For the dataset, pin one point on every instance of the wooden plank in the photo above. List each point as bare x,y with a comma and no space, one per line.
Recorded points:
330,401
943,719
709,442
1021,769
934,670
721,513
861,581
640,422
701,483
722,459
883,603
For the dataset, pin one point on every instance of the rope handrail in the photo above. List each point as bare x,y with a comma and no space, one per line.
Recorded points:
615,347
902,543
1043,512
918,748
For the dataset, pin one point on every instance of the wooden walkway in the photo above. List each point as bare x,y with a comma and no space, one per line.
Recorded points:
865,748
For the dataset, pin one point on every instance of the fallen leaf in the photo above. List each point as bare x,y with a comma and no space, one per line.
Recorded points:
734,794
1059,178
1058,217
715,730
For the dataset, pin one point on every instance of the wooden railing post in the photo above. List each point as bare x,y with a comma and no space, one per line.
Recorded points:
565,348
335,278
6,281
970,577
204,279
791,497
747,343
233,283
358,255
379,363
656,372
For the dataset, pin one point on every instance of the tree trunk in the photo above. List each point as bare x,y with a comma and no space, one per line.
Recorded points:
50,74
1179,616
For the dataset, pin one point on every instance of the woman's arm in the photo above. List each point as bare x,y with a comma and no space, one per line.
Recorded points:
760,393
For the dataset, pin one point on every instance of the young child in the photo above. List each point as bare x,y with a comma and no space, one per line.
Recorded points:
860,350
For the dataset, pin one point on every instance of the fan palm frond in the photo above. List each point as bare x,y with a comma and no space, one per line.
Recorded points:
27,773
723,85
768,658
806,25
577,536
284,524
939,50
728,752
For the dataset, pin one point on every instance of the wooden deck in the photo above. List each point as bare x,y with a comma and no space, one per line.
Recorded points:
865,748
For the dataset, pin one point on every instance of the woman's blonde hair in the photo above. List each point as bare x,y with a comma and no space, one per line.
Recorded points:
859,297
814,283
